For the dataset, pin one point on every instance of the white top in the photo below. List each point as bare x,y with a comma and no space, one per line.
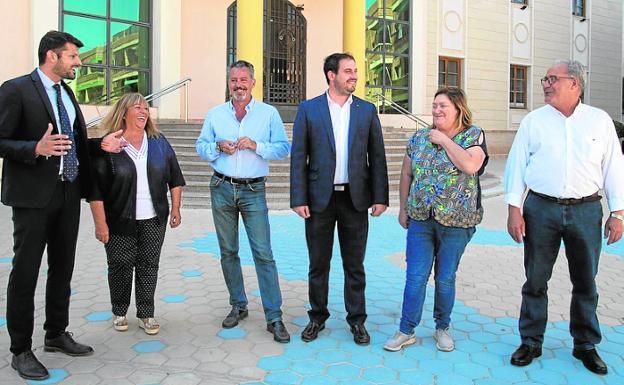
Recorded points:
340,122
144,205
566,157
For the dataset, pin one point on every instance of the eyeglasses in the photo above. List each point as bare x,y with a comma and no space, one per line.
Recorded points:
552,79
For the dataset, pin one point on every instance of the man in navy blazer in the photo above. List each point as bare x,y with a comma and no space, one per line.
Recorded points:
338,171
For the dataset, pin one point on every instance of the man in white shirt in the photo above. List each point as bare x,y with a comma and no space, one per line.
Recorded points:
563,154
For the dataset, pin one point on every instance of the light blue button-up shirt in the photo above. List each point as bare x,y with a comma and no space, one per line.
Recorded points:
67,102
261,123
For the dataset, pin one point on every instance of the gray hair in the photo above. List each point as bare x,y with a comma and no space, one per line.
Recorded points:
576,70
244,64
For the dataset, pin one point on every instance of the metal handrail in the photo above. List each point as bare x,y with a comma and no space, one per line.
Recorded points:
382,99
156,95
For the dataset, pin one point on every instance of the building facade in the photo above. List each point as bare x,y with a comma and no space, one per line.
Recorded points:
495,49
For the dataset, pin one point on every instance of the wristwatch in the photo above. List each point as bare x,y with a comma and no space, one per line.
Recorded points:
618,216
218,148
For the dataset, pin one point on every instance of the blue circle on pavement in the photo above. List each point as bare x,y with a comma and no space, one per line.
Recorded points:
174,298
99,316
149,347
192,273
56,376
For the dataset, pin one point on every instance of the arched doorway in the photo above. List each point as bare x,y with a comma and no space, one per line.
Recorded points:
284,46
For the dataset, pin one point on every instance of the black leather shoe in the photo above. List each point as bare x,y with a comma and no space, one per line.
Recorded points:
29,367
235,315
360,335
525,354
66,344
591,360
311,331
280,334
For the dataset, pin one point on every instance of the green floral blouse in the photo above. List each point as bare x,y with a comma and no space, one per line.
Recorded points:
439,189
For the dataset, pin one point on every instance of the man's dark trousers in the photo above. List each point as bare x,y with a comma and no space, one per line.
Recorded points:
55,225
352,234
579,226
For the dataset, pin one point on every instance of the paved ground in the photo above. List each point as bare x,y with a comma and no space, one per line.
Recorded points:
191,301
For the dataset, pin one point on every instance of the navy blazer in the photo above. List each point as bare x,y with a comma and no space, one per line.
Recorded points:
25,111
313,156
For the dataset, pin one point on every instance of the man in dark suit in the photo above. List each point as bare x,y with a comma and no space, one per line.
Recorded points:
338,171
46,171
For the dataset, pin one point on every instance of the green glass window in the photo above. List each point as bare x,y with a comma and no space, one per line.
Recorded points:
116,57
91,7
387,53
135,10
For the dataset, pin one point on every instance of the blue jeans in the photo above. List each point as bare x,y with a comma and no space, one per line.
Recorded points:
579,226
248,200
429,242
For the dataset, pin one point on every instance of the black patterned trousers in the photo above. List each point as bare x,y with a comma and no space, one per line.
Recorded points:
138,254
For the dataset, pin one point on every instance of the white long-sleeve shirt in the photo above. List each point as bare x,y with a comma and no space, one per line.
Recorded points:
566,157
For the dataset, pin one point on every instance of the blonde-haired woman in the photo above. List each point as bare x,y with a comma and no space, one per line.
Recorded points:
130,208
440,207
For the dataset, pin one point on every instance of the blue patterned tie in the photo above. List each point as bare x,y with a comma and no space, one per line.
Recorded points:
70,160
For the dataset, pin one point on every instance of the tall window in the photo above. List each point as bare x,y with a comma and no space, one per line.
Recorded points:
578,7
523,2
449,72
116,57
387,52
517,86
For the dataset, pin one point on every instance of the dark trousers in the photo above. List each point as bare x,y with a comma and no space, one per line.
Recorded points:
56,226
579,226
139,254
352,235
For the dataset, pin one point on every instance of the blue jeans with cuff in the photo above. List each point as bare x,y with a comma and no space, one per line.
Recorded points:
229,201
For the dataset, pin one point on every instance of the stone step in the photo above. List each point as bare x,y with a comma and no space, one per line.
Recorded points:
274,176
279,166
184,156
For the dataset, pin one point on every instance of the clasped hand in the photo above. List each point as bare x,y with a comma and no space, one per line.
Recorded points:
243,143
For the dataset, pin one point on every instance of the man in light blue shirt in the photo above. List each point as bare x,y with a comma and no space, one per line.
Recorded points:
238,139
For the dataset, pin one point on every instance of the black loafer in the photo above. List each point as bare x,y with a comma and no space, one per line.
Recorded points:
525,354
280,334
235,315
311,331
29,367
65,344
591,360
360,335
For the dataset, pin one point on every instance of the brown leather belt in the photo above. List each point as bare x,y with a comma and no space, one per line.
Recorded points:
239,180
570,201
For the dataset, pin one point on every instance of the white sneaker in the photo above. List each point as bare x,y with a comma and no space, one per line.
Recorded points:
399,340
149,325
120,323
444,341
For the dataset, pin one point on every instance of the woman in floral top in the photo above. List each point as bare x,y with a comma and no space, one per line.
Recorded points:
440,207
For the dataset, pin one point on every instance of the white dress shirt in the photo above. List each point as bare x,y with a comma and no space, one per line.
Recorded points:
340,116
144,204
566,157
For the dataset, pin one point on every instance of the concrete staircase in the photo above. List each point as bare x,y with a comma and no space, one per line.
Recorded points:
197,172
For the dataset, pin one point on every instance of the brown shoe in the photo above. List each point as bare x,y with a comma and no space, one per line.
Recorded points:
311,331
525,354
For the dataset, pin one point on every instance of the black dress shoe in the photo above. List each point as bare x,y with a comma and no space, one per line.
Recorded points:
525,354
360,335
591,360
311,331
29,367
66,344
280,334
235,315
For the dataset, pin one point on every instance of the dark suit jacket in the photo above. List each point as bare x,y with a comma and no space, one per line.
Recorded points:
313,156
25,111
